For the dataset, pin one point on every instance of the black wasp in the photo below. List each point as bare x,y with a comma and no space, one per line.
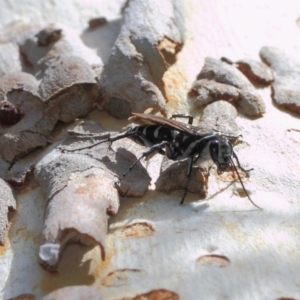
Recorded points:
177,140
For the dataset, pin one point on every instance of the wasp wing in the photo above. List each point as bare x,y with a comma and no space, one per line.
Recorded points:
182,127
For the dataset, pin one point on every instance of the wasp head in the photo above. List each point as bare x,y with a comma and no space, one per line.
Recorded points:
221,151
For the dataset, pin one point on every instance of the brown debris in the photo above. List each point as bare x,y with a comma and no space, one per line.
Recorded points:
206,91
80,292
221,72
137,229
68,90
35,125
64,73
149,41
79,187
173,178
123,276
7,203
77,213
97,22
220,116
69,83
33,129
23,297
49,35
9,113
257,72
69,44
160,294
18,81
169,49
18,173
214,260
248,102
286,87
227,60
18,181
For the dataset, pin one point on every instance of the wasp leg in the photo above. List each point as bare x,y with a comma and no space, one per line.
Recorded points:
109,139
190,121
188,175
238,163
196,159
224,135
154,148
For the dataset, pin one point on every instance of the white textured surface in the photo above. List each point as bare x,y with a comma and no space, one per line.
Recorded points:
20,272
263,247
73,13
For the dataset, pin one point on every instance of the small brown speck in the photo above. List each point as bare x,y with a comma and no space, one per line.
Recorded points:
123,276
214,259
96,22
140,229
9,113
23,297
160,294
49,35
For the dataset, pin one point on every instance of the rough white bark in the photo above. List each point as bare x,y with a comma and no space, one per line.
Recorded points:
221,248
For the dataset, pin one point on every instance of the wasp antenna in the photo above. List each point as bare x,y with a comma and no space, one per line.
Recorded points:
240,179
238,162
108,138
85,147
